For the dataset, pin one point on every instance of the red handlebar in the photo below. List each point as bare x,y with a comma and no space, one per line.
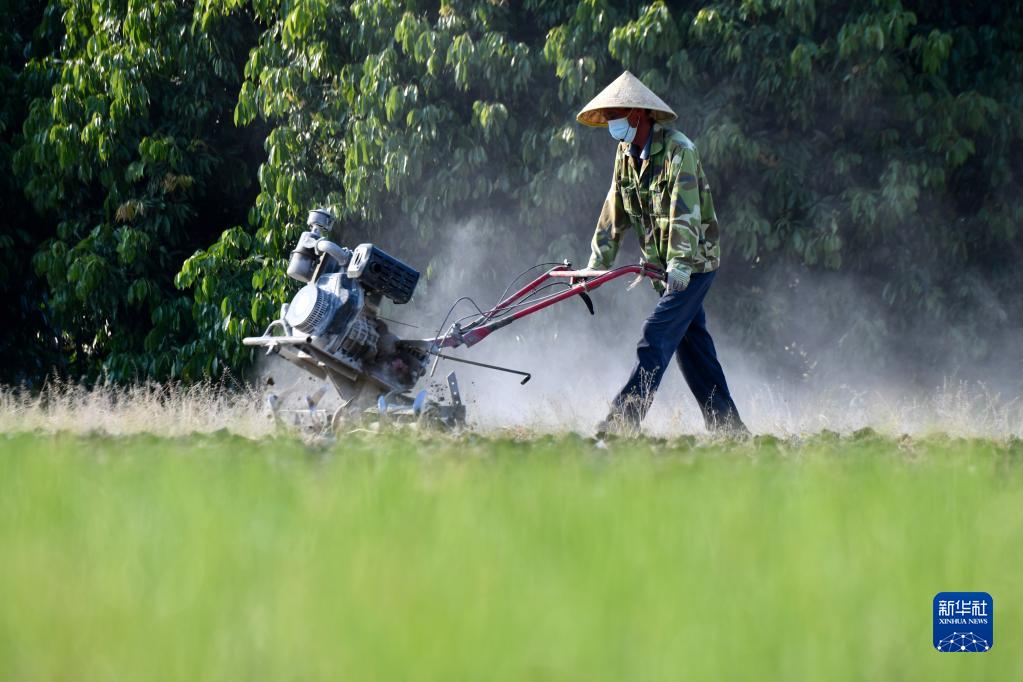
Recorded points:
481,328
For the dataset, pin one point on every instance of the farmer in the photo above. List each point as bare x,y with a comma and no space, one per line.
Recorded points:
660,191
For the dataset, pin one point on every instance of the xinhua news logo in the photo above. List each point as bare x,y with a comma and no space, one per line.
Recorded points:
963,622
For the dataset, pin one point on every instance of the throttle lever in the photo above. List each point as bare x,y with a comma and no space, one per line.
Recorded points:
588,301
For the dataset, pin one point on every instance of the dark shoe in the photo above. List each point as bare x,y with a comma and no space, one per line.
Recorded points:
732,428
616,427
726,424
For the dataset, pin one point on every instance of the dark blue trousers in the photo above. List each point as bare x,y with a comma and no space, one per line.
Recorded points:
678,327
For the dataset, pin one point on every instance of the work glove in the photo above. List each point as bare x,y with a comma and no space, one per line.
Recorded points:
572,281
677,279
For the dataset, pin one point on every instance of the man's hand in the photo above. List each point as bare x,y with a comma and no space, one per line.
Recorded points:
572,281
677,279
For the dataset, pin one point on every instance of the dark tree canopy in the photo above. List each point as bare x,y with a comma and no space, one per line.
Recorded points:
164,154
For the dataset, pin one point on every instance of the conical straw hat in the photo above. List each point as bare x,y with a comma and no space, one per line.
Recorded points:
627,92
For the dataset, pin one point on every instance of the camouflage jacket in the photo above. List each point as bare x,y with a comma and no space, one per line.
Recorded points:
667,202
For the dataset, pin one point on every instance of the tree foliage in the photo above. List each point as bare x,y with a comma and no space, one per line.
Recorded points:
877,138
130,154
24,31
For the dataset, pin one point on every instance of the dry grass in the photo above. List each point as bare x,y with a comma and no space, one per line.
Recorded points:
959,409
159,409
956,408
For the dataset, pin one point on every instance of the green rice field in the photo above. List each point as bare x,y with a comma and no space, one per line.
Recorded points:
399,556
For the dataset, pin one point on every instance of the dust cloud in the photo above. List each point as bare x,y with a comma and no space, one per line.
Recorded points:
803,376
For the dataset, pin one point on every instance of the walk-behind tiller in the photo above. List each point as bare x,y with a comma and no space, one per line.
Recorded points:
332,328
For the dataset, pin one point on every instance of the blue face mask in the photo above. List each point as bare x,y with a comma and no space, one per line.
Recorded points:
621,130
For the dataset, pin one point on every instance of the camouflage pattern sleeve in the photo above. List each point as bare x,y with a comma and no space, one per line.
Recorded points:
685,219
611,225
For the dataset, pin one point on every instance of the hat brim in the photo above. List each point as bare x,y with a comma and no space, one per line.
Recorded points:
597,117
